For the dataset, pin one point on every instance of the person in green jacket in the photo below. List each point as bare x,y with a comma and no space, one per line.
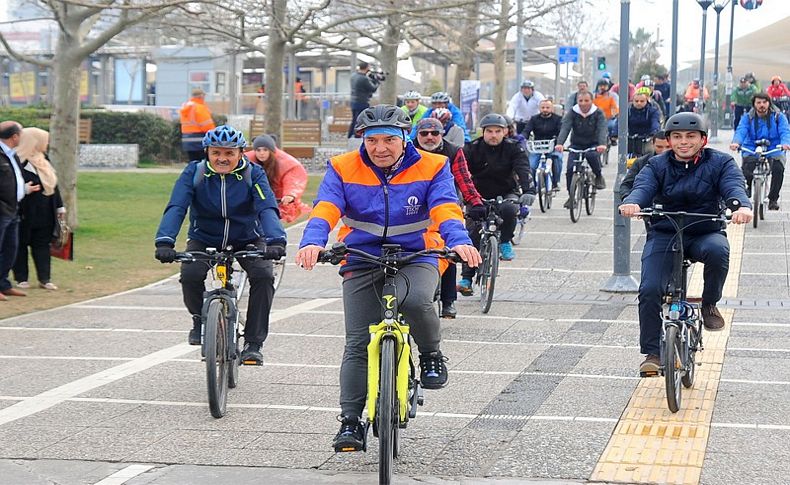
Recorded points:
742,99
413,107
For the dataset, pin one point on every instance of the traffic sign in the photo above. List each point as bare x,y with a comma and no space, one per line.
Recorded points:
567,53
751,4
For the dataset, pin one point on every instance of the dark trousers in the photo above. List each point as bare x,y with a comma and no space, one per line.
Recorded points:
593,158
777,174
710,249
38,239
195,155
508,211
356,108
448,289
736,116
261,279
9,241
520,126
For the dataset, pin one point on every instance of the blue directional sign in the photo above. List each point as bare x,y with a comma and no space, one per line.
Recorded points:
567,53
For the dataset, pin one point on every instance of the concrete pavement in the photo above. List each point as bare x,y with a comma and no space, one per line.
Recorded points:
106,391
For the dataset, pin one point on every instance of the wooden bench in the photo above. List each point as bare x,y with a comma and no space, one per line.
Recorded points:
257,128
341,118
300,138
84,130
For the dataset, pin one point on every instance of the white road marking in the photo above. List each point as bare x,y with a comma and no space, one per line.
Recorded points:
52,397
125,474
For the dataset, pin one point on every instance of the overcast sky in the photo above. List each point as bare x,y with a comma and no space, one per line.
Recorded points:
653,14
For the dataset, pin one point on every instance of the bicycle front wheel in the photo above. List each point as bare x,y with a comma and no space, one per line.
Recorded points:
489,273
576,196
387,413
673,367
549,187
589,198
757,202
540,187
278,268
217,363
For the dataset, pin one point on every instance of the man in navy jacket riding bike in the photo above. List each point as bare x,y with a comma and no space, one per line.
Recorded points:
691,178
230,203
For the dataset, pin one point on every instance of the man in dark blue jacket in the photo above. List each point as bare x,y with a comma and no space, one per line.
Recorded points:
363,84
230,203
688,178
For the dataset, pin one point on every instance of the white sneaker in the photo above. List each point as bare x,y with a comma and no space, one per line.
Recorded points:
23,284
48,286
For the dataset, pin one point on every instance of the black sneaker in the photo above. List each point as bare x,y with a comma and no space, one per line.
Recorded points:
351,436
773,205
567,203
600,183
251,355
433,372
448,310
194,334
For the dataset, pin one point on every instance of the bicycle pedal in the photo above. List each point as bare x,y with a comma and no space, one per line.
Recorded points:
251,362
649,374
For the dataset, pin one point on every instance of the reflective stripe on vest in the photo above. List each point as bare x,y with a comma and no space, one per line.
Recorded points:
378,230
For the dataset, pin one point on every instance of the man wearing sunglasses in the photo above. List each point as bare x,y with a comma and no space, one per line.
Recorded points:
430,139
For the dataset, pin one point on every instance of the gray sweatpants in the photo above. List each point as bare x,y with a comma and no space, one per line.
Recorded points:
416,286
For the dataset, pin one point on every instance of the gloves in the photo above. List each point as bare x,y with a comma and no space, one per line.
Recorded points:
165,253
527,199
476,212
275,251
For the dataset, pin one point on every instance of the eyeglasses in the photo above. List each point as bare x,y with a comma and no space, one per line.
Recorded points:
426,133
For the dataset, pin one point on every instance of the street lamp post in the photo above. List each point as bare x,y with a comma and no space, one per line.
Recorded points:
728,100
701,104
714,132
673,76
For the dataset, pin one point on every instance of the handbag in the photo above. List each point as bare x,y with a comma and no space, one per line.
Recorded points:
62,245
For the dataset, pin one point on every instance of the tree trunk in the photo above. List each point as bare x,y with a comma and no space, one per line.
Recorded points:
388,92
63,146
467,46
275,57
500,51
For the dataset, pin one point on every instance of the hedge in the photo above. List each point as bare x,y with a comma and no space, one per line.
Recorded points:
159,139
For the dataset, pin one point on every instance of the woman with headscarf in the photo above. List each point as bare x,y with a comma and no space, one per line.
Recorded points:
286,175
39,211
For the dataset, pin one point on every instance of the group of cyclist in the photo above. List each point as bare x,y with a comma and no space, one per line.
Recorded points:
406,184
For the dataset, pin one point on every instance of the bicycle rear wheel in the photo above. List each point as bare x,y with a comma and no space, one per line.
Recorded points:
386,415
489,274
233,375
217,363
549,185
278,268
673,367
589,198
576,195
540,187
757,201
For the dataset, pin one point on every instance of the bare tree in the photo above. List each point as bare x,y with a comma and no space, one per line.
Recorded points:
83,27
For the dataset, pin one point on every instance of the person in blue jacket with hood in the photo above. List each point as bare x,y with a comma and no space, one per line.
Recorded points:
230,203
441,99
691,178
763,122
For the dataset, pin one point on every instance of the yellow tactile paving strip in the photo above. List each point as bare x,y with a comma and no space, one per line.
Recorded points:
649,443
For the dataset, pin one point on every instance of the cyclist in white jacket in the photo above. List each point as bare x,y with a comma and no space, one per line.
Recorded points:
524,105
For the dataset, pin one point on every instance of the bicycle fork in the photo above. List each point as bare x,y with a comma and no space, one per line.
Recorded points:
400,333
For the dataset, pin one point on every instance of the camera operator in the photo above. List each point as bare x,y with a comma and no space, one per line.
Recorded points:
364,83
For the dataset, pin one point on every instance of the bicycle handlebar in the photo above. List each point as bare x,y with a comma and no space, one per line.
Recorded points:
339,251
767,154
654,212
219,256
574,150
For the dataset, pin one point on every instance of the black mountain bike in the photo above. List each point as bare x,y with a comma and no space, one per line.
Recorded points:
488,270
222,322
582,184
394,390
681,330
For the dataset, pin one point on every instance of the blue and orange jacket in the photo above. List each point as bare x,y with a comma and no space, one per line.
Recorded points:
415,207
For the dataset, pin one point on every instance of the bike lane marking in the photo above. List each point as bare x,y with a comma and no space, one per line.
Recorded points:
651,444
57,395
124,475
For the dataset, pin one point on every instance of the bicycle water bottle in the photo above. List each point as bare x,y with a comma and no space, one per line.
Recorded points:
674,311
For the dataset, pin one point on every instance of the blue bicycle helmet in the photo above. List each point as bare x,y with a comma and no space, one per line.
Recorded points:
224,136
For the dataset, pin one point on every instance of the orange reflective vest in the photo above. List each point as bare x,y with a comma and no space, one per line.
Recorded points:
195,122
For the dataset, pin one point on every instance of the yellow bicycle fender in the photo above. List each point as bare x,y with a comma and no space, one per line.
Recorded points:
402,385
374,351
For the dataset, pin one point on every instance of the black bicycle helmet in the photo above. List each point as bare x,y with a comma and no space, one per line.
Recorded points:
382,115
686,121
493,119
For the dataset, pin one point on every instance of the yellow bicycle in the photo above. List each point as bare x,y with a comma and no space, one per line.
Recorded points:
394,391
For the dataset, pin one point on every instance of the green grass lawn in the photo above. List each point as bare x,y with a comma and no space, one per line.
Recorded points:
113,246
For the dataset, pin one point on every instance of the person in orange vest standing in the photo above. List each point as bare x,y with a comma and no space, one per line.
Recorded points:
196,120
